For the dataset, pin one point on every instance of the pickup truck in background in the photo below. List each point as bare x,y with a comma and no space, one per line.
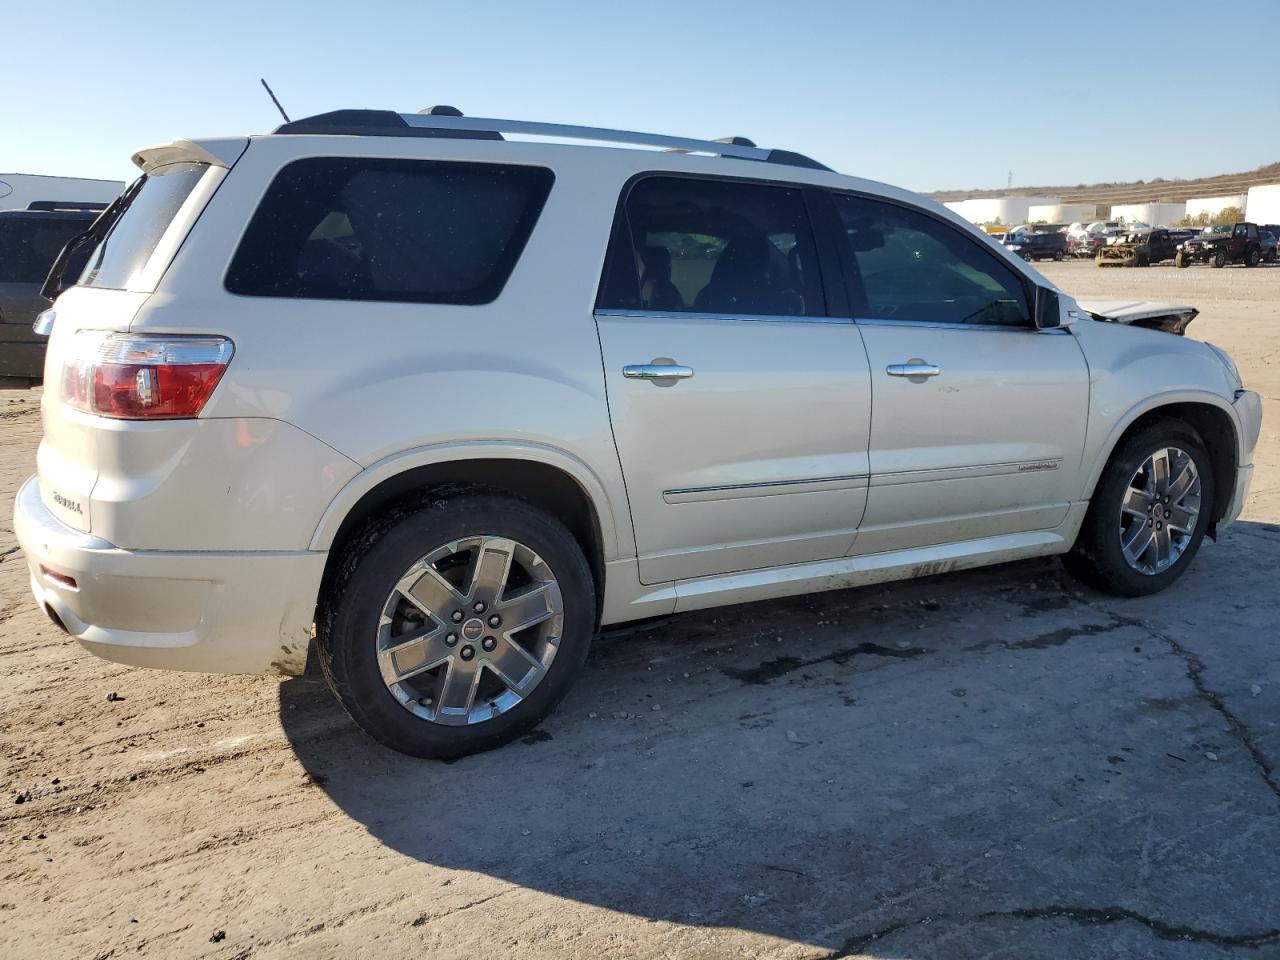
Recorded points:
1138,249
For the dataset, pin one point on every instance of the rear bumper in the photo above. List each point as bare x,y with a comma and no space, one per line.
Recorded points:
211,612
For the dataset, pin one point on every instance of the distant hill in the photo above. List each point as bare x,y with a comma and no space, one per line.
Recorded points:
1143,191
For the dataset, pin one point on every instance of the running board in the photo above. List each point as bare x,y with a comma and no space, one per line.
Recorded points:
863,570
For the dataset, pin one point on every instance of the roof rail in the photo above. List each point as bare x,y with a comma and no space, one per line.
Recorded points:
447,123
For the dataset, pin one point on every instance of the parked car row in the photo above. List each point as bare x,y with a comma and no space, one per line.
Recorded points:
1112,243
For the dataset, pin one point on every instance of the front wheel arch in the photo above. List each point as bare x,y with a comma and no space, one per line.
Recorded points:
1216,430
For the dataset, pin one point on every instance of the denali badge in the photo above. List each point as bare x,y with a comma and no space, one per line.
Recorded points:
1039,465
62,501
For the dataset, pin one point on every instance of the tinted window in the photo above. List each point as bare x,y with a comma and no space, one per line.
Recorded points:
29,245
712,246
369,229
134,236
905,265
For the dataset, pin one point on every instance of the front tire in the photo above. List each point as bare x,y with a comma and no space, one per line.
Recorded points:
1219,258
1149,512
456,626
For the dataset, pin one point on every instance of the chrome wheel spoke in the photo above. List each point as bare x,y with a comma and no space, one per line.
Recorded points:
1161,542
527,608
1182,483
491,569
1136,504
1136,544
1181,519
1159,475
456,692
413,653
515,666
430,592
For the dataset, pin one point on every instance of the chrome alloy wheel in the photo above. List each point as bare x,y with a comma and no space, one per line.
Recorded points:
470,630
1159,511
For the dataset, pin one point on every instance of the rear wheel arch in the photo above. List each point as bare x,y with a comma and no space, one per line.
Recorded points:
1216,430
542,485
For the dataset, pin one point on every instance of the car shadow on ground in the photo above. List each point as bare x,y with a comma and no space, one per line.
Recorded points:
992,757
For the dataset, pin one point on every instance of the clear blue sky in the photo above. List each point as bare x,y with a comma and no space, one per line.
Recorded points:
928,95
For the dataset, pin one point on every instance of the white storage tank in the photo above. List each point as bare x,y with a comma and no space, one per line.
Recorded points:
1152,214
1006,210
19,190
1065,212
1214,205
1263,204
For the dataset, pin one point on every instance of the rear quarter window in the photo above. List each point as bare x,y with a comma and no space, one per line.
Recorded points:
133,238
418,231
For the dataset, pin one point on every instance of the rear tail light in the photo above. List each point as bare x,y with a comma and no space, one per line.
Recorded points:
143,376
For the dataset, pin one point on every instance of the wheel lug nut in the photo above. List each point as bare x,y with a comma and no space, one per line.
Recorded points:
1149,522
495,621
456,616
488,643
1159,525
450,639
1168,514
468,652
479,606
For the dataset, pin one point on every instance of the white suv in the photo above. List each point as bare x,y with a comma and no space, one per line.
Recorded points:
445,402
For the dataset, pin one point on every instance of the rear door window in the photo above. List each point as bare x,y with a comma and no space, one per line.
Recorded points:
130,241
693,245
419,231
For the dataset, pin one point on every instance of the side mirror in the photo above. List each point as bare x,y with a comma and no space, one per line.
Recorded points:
1049,314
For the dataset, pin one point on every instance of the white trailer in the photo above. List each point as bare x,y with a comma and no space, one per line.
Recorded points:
19,190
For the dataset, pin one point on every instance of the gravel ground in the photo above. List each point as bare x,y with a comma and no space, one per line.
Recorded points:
996,764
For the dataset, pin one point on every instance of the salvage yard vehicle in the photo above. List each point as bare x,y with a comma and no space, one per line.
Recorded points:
448,402
1267,244
30,241
1138,249
1037,246
1221,244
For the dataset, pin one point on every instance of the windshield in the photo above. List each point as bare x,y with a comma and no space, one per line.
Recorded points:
30,244
132,239
1217,228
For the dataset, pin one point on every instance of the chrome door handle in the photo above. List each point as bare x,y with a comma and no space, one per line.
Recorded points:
913,369
656,371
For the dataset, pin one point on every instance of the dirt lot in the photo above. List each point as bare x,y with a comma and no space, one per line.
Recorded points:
995,764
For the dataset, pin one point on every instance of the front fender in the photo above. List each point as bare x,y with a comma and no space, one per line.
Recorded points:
1134,371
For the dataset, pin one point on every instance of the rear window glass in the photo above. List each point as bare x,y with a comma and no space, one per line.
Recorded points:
132,239
29,245
420,231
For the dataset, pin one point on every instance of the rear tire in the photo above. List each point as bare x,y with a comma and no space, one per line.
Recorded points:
368,609
1058,256
1252,257
1098,557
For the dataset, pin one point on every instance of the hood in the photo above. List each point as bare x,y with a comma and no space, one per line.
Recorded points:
1169,317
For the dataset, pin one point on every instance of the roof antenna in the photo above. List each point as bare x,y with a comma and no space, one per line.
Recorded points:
272,95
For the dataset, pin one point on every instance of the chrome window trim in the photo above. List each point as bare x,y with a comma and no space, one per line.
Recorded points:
939,325
690,315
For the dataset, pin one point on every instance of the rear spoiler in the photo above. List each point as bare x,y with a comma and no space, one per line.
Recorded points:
1169,317
218,151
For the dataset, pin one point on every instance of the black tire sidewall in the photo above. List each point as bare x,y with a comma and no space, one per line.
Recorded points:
371,567
1097,556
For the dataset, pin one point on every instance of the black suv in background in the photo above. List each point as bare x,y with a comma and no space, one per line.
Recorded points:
30,240
1037,246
